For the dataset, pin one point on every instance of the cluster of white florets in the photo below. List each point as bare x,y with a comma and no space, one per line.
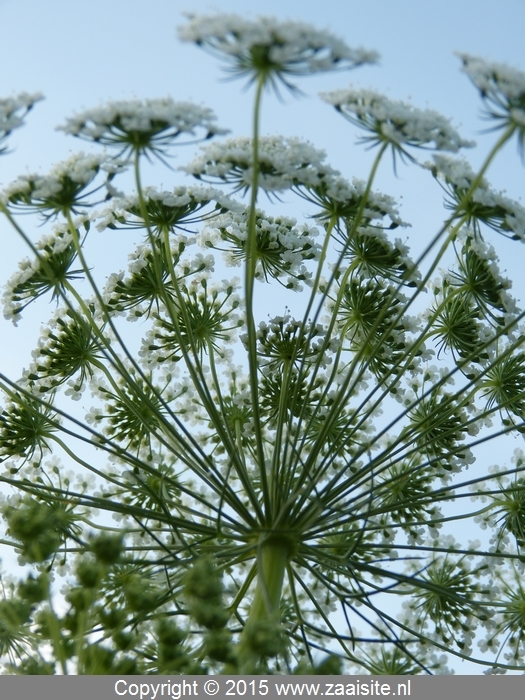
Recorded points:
283,163
53,244
396,122
485,251
398,249
456,171
510,212
288,47
498,209
154,117
26,270
13,109
282,245
222,303
283,339
178,207
80,169
378,205
499,83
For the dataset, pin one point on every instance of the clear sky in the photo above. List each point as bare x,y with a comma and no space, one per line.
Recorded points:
80,53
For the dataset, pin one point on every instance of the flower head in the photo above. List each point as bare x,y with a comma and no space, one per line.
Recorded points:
483,205
178,208
270,49
67,347
394,122
283,163
12,112
63,190
282,247
26,426
502,88
48,272
143,126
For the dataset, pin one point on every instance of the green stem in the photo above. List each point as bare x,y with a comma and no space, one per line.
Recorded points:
277,482
251,264
56,638
273,559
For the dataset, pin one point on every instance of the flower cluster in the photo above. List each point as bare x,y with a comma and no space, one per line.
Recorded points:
63,190
26,428
12,112
206,321
394,122
481,204
165,211
281,246
49,271
155,273
143,126
283,163
285,341
67,347
367,314
344,200
372,254
270,48
267,481
501,87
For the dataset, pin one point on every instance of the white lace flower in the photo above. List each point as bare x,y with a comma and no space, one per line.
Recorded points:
394,122
501,87
63,189
484,205
46,273
270,49
283,162
166,210
142,125
282,246
13,110
338,197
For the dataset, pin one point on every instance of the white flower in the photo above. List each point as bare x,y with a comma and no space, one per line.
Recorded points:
456,171
499,84
282,247
43,274
484,204
270,48
283,162
12,111
166,209
142,125
339,196
395,122
61,189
